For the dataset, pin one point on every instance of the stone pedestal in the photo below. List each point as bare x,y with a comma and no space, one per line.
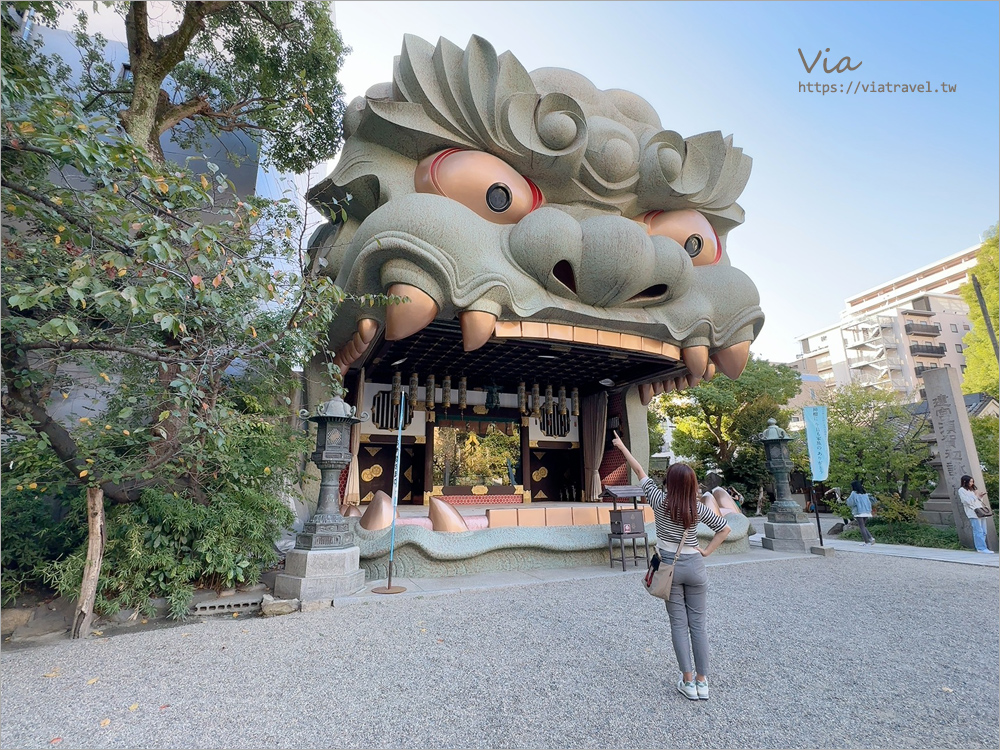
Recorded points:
789,532
318,576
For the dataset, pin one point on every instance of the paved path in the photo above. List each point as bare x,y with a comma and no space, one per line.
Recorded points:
865,649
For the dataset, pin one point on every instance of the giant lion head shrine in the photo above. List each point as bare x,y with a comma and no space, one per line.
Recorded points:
563,258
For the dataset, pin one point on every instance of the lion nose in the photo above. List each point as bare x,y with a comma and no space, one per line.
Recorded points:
602,261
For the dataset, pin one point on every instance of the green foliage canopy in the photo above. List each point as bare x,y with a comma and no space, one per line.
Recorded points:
266,69
876,439
716,421
982,374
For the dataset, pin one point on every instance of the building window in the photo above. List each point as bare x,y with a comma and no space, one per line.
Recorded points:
954,328
963,369
812,393
958,348
965,326
126,74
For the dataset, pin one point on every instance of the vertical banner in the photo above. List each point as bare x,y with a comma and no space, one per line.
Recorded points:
816,439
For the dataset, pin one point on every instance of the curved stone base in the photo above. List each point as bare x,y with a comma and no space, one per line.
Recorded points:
420,553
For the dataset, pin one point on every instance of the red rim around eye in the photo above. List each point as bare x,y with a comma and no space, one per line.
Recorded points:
536,195
436,163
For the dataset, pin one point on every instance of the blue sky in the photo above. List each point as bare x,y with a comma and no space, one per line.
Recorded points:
847,190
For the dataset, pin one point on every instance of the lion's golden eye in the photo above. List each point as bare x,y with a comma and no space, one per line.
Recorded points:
689,229
479,181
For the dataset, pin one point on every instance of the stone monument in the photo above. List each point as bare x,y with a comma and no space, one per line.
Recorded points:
787,527
325,561
956,447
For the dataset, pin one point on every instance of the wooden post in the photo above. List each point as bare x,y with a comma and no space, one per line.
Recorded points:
525,456
429,456
92,569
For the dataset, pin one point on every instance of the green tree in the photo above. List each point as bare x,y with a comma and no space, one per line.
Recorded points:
266,69
167,298
876,439
982,374
486,456
986,433
715,422
653,424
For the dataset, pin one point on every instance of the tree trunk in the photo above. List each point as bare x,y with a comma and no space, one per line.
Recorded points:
92,569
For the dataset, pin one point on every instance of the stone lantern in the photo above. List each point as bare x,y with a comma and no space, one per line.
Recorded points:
325,561
787,527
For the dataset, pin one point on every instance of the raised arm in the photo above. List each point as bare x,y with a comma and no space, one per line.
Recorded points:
629,458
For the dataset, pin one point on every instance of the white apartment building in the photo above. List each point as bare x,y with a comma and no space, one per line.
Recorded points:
890,335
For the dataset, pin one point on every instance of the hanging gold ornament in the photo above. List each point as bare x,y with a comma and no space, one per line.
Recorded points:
575,399
429,396
536,401
446,392
414,385
548,399
461,394
522,398
562,400
397,388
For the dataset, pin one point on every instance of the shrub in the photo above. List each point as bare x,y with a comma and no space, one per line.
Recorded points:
164,545
913,534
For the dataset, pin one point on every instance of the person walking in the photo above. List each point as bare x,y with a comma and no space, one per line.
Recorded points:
973,498
860,504
677,513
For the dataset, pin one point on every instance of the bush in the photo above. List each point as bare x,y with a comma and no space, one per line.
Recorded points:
911,533
894,509
163,545
41,519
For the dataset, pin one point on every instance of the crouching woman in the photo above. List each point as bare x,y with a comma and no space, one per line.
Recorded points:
677,513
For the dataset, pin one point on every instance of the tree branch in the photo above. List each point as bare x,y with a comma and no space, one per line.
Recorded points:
38,197
169,115
97,346
258,8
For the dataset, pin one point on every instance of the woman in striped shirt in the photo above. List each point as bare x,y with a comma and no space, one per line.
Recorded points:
677,513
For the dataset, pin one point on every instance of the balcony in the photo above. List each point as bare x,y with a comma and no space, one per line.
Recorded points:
919,370
928,350
923,329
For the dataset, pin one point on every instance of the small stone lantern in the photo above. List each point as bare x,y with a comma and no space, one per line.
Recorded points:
328,529
325,562
779,464
787,527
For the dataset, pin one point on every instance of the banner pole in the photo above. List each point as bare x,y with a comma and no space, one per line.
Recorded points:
389,588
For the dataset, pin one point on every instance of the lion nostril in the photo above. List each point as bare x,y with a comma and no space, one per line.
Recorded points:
563,272
650,293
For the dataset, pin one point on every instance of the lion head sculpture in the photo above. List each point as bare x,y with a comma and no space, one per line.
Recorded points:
535,207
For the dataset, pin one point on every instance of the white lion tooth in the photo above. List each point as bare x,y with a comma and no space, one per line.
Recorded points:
367,328
645,393
407,318
696,359
477,327
733,359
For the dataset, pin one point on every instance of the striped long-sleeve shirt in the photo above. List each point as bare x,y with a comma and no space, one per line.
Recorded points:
670,532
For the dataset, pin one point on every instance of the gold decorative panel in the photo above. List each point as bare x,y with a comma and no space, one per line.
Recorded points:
541,496
539,454
366,475
368,498
479,489
539,475
408,474
372,451
479,409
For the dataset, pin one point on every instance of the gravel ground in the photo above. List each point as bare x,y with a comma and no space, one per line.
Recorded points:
854,651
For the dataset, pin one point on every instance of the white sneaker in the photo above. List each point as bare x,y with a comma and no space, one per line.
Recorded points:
702,688
687,689
986,551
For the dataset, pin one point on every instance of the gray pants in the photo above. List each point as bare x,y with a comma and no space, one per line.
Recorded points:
688,611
